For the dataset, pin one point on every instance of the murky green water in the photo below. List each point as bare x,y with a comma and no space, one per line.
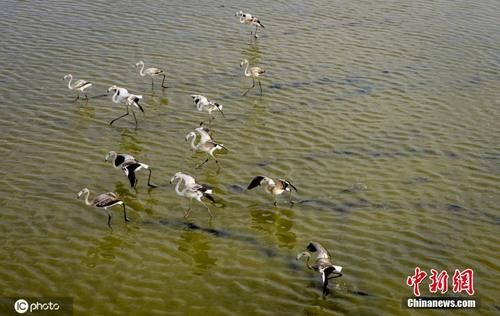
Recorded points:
384,114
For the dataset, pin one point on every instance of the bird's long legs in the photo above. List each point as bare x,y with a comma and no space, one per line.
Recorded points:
163,82
199,166
119,117
260,86
253,85
149,180
135,118
290,199
109,217
208,209
186,212
125,217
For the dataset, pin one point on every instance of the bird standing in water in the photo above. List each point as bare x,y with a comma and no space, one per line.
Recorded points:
130,166
105,201
192,190
152,72
253,72
247,18
206,144
273,187
130,100
204,104
322,263
78,86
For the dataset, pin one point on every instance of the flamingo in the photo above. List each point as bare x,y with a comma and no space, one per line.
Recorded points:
247,18
253,72
79,86
105,201
273,187
192,190
322,264
206,144
130,166
152,72
204,104
130,100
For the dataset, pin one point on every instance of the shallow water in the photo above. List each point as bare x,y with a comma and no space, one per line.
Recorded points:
383,114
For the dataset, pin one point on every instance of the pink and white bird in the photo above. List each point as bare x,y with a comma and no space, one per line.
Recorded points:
192,190
78,86
253,72
204,104
152,72
247,18
130,100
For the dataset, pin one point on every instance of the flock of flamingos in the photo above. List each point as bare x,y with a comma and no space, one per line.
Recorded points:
190,189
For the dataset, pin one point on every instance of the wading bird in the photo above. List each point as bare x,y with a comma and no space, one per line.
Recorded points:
153,73
105,201
253,72
192,190
130,166
247,18
322,263
206,144
204,133
272,187
79,86
204,104
130,100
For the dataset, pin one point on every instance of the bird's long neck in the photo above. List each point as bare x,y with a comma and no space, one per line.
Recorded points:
69,83
308,257
114,156
193,146
87,193
177,187
115,96
247,73
141,72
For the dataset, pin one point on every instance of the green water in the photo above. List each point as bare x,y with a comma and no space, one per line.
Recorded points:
384,115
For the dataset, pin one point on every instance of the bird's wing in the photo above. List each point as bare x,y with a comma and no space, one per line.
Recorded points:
316,247
199,100
204,133
285,185
130,172
209,196
122,158
154,71
106,199
133,99
80,83
256,182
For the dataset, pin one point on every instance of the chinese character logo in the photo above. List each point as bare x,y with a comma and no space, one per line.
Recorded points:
462,281
415,280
